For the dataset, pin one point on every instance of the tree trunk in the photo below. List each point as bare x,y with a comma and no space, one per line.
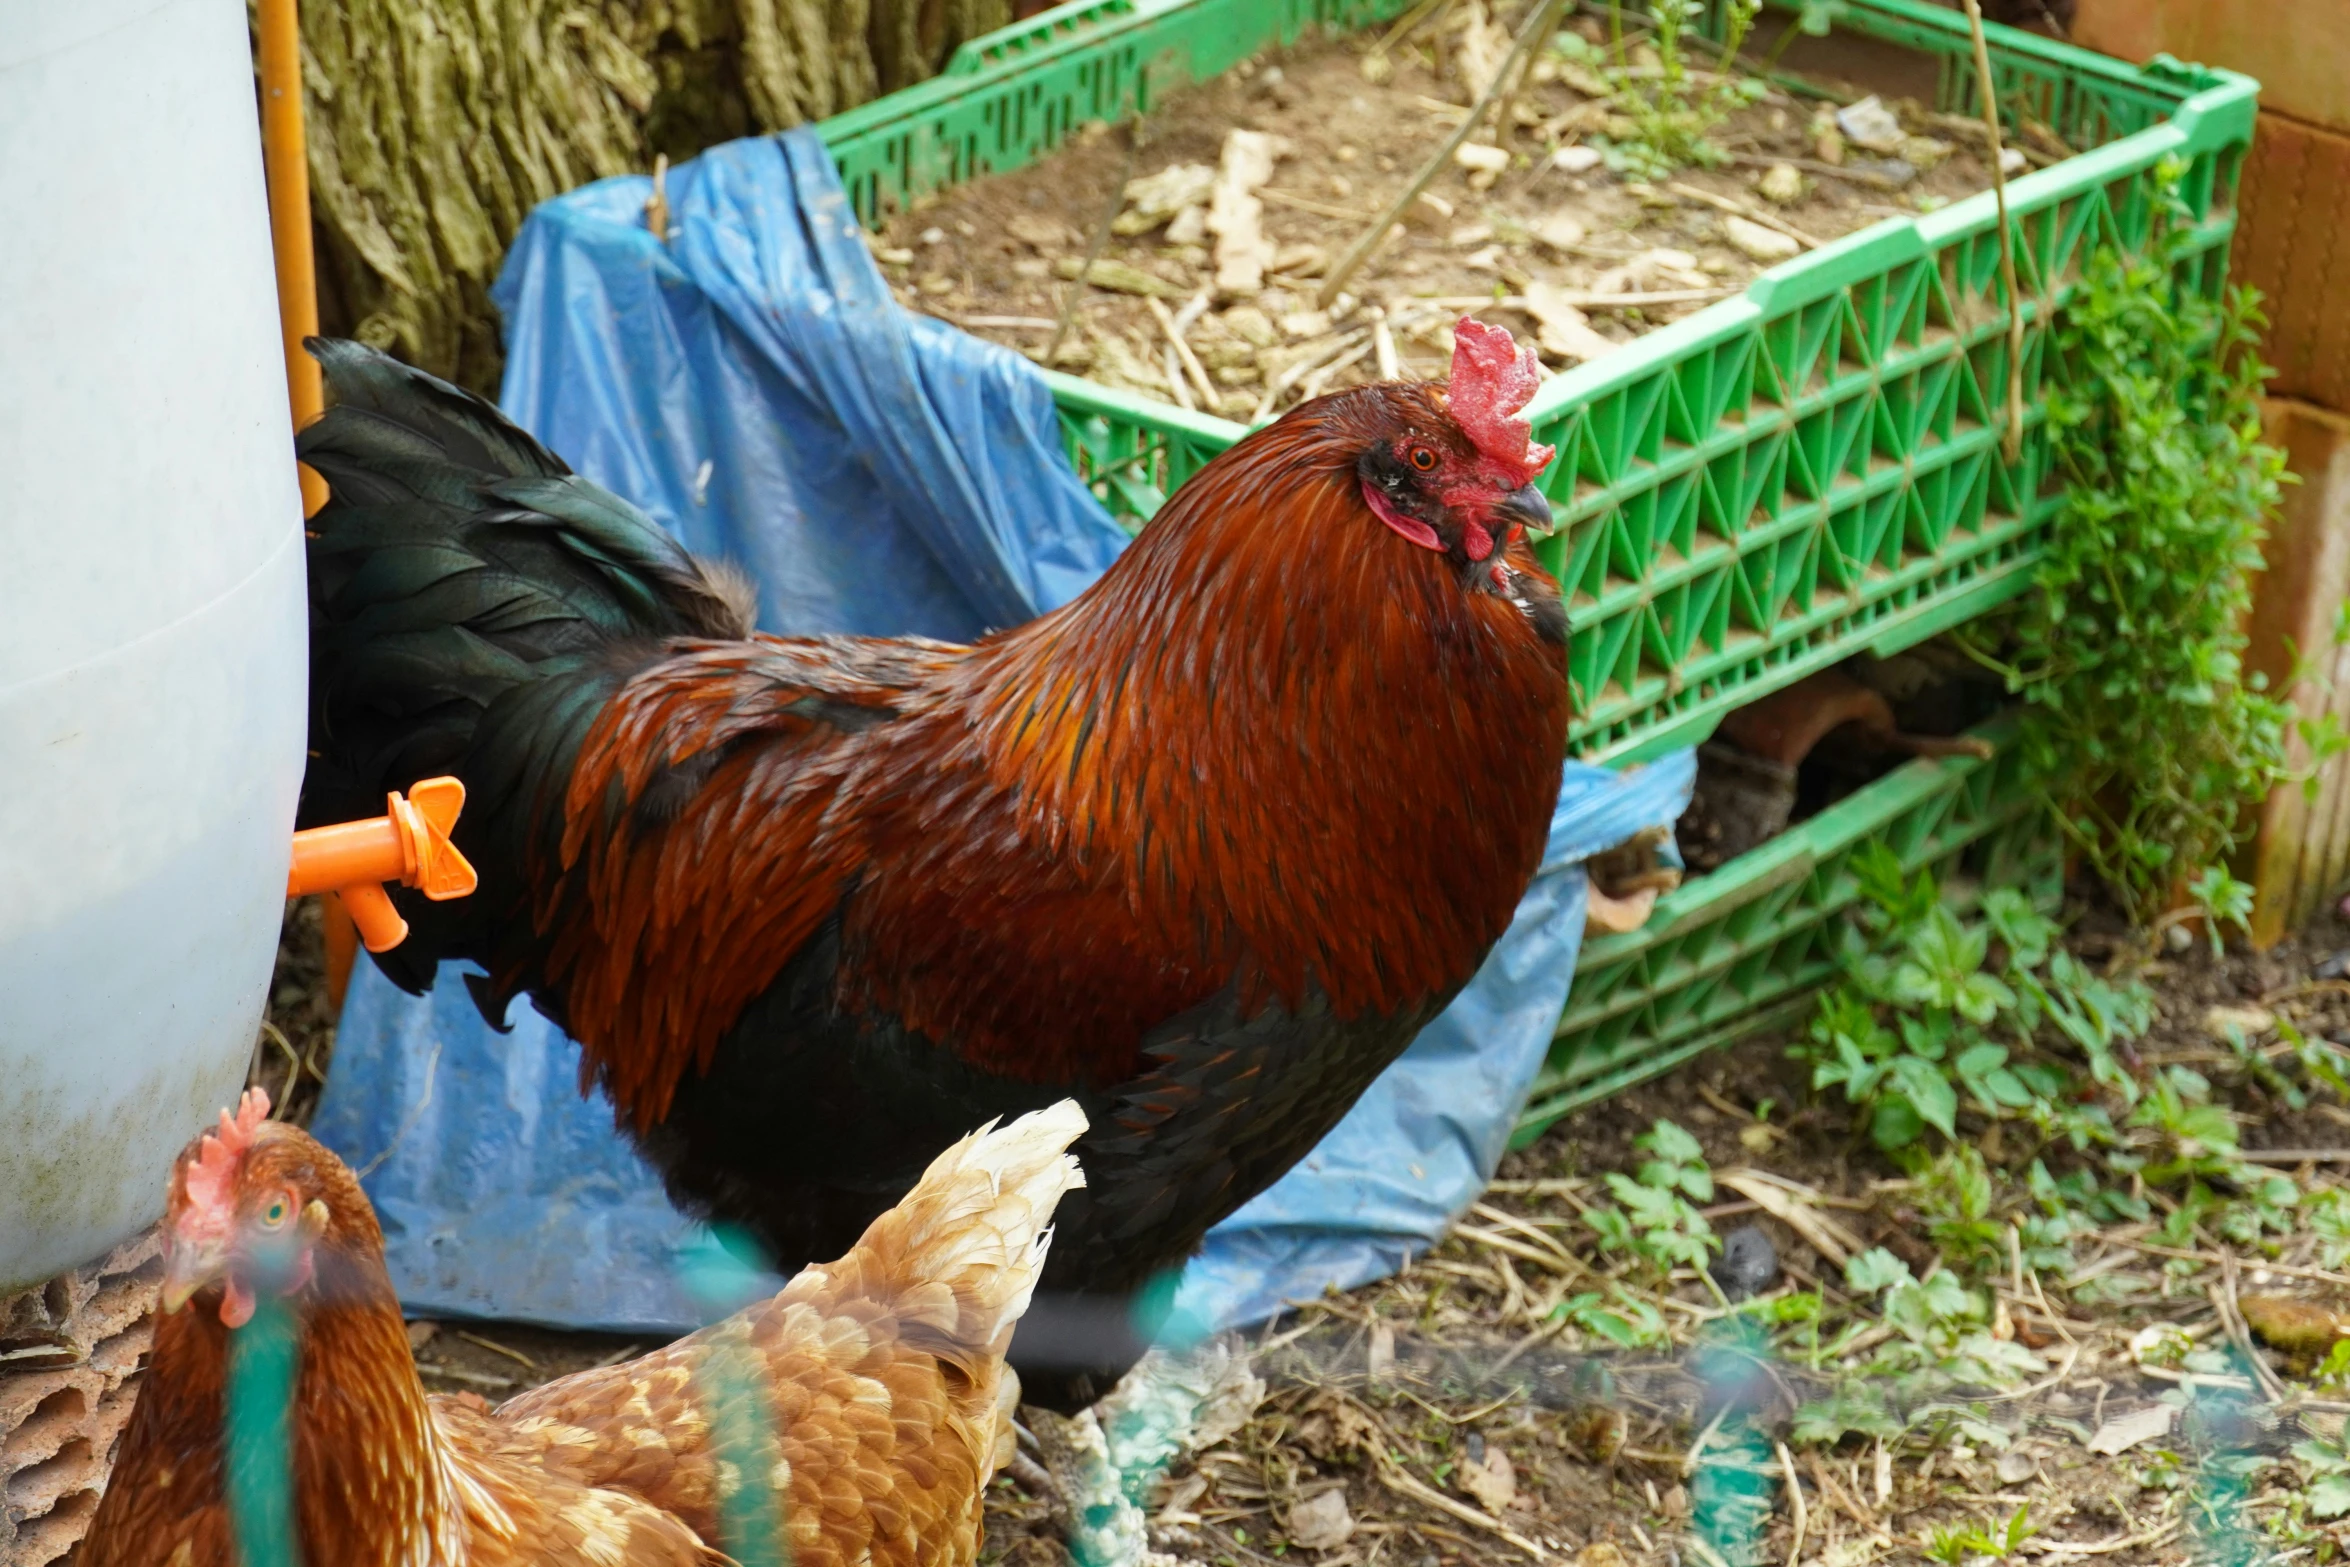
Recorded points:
436,125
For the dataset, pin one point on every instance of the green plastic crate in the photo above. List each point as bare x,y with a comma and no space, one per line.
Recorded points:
1745,948
1804,472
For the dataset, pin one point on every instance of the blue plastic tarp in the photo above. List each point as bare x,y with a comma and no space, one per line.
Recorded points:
753,386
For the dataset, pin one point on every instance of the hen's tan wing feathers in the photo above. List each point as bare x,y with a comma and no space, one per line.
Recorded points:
883,1370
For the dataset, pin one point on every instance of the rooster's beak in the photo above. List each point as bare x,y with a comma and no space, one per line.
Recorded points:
190,1266
1528,508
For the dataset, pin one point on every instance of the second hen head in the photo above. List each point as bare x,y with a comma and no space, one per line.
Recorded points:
1450,468
253,1204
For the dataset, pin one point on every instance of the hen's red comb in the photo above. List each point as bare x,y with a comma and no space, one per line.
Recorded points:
212,1174
1492,379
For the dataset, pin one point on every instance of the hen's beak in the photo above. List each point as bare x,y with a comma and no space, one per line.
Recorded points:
1527,507
189,1266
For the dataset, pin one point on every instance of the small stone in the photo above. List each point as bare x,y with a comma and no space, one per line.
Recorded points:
1677,1501
1828,147
1470,235
1429,211
1300,260
1480,156
891,256
1038,232
932,236
1321,1522
2015,1466
1379,1354
1871,125
1748,1265
1304,323
1561,231
1925,151
1602,1553
1251,325
1348,154
1575,160
1767,246
2178,938
2249,1021
937,282
1781,183
2334,965
420,1333
2012,162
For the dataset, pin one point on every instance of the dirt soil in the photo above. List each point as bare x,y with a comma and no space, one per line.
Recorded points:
1553,245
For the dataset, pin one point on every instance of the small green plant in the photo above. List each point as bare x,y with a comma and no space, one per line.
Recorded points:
2327,1468
1657,1222
1942,1329
1671,109
1957,1542
1624,1320
1936,1011
2146,734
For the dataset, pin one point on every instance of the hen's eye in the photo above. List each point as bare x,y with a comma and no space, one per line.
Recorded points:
1422,458
275,1214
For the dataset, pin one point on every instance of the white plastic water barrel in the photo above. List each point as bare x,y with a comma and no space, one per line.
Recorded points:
152,658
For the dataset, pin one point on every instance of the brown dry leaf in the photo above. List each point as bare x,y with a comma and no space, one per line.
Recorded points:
1652,269
1565,331
1321,1522
1794,1205
1493,1484
1602,1553
1480,50
1117,276
1597,1432
2124,1432
1154,198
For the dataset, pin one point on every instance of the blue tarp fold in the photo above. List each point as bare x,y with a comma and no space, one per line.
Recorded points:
753,386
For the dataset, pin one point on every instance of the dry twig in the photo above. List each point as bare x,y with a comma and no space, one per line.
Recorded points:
1537,26
2013,446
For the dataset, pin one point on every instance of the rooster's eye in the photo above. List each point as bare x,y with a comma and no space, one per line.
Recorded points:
1422,458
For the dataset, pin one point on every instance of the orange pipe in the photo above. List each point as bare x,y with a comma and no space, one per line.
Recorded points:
408,844
285,162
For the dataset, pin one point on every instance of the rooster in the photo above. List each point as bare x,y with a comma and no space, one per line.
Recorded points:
1204,848
884,1373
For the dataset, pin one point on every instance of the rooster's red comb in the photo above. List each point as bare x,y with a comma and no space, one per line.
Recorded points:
212,1174
1492,380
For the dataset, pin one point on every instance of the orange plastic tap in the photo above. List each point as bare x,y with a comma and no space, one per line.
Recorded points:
408,844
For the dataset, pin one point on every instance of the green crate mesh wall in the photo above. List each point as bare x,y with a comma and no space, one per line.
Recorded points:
1804,472
1746,947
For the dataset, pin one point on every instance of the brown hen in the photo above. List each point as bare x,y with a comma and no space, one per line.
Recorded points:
883,1372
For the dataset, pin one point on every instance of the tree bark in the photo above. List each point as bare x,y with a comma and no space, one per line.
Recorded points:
436,125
